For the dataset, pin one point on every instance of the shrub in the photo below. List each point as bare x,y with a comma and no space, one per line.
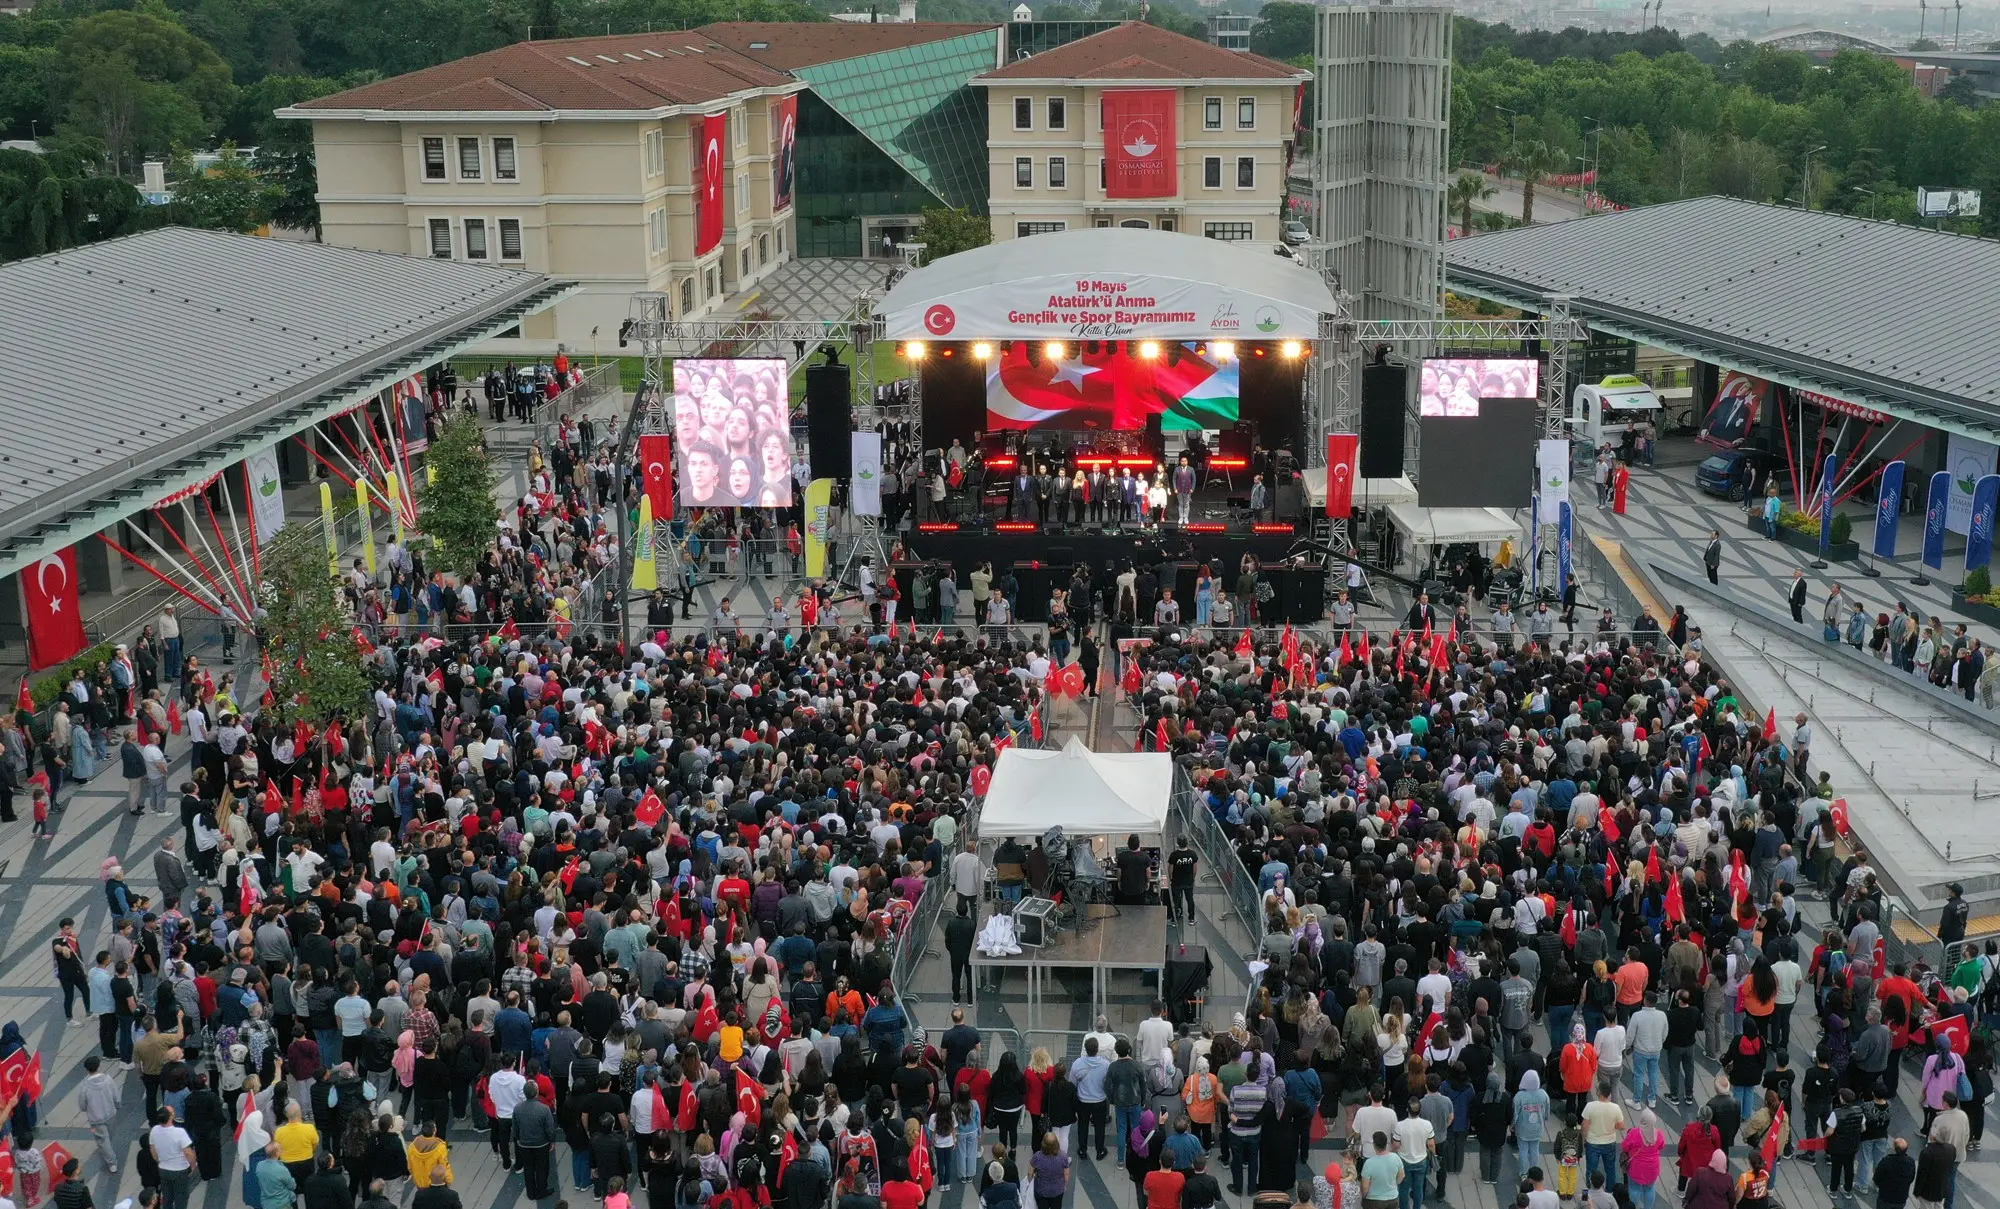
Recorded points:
1978,583
45,690
1843,529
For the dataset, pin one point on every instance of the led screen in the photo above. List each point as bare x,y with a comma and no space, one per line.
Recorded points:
1454,386
733,434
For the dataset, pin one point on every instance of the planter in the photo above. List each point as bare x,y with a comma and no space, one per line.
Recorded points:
1838,552
1990,614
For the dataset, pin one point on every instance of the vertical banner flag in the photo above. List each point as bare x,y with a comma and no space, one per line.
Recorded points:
267,494
819,506
656,468
411,406
1565,534
326,528
367,524
785,119
1535,544
865,492
50,607
1343,450
1888,507
709,133
1141,141
1936,507
1826,492
1966,461
1552,471
645,569
1979,542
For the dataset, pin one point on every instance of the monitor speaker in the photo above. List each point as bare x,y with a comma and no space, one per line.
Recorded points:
829,421
1233,445
1384,400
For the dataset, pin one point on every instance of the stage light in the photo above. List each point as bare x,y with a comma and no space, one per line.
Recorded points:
1149,350
1054,350
982,351
1223,349
1291,349
914,350
1090,346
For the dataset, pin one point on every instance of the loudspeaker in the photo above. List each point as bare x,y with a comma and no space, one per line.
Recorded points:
1305,604
1232,448
1384,398
829,421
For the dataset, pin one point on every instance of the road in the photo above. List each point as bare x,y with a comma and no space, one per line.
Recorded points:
1550,206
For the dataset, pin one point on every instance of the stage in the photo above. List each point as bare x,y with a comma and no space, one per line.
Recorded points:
1113,938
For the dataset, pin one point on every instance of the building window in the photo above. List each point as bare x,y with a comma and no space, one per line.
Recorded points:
739,121
656,159
743,191
1211,113
1246,113
763,249
1139,224
1246,172
1101,223
1024,173
505,168
1211,172
1228,232
1058,172
433,159
441,238
1104,174
1024,229
781,242
468,159
510,239
656,231
475,239
1058,118
744,270
1168,224
713,287
1024,113
687,295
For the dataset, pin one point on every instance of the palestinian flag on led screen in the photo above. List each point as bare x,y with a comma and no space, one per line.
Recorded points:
1110,389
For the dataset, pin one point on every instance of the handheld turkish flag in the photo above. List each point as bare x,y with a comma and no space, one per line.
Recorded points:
1035,723
1162,740
1676,908
13,1074
273,802
1771,725
1131,681
361,640
1003,741
1363,653
656,466
1739,876
31,1083
510,630
1652,865
1610,876
982,777
1774,1139
1956,1030
1346,652
298,798
25,700
1246,646
1072,680
1568,929
174,715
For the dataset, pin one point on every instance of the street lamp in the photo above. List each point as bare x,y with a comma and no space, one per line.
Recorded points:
1871,198
1807,190
1515,132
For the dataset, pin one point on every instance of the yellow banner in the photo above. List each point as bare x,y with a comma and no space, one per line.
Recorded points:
367,525
645,568
819,508
326,524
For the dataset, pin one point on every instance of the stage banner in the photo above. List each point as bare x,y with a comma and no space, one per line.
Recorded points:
1160,305
1826,494
1888,506
1979,542
267,494
645,568
1552,471
709,135
1141,140
51,610
1342,451
785,119
1967,461
819,508
656,471
1935,508
866,448
1565,534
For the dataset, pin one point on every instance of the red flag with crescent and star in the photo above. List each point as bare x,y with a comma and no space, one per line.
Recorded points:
55,620
1342,451
656,464
711,135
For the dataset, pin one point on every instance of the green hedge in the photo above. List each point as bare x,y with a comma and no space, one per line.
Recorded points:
51,684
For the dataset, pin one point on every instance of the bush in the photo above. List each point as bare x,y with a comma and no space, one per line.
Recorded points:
1843,529
1978,583
45,691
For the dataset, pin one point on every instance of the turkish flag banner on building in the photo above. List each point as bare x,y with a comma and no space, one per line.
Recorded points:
55,620
1343,449
656,463
1141,143
710,137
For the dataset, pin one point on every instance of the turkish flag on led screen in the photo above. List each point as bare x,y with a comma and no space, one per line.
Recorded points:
1109,389
710,137
55,621
656,464
1140,141
1342,449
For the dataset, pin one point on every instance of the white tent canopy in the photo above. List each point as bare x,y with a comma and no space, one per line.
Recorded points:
1443,526
1368,493
1082,791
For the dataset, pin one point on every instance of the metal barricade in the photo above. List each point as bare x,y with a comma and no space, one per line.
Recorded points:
1194,819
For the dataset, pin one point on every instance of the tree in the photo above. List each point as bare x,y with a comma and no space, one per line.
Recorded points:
143,82
1466,189
315,663
284,147
1960,90
458,508
1283,30
947,230
228,195
1533,159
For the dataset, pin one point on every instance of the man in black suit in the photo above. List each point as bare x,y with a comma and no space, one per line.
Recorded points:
1798,596
1422,614
1711,557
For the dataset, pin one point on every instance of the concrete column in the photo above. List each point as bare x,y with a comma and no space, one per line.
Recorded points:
99,566
13,613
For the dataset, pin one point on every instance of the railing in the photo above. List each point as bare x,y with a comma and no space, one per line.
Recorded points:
1198,822
914,943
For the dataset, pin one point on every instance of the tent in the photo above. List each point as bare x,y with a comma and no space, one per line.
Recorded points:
1368,493
1082,791
1443,526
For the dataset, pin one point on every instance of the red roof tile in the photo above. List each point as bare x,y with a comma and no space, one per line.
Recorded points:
789,45
1135,51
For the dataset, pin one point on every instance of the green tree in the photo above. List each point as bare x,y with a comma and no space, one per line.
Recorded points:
946,230
284,147
24,93
1533,159
459,513
316,665
1466,189
228,195
1283,30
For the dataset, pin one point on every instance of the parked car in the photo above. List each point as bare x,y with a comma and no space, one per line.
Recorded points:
1295,233
1724,473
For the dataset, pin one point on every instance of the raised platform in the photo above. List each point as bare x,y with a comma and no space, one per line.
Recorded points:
1112,938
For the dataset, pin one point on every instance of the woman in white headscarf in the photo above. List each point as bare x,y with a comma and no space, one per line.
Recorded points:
252,1136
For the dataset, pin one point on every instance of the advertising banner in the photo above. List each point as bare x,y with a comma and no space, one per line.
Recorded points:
1979,542
866,448
1565,534
1887,508
1156,306
1343,450
1535,544
1738,401
1967,461
267,495
1140,143
1935,508
1552,471
819,521
645,568
710,137
785,118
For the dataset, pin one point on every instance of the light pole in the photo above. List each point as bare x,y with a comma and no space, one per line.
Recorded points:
1871,198
1807,189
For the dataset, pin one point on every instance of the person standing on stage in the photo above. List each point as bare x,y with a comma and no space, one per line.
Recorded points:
1184,488
1100,486
1042,492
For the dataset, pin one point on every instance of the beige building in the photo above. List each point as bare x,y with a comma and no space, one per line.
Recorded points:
574,158
1046,142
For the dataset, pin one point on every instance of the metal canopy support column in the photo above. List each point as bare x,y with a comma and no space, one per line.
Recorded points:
1558,331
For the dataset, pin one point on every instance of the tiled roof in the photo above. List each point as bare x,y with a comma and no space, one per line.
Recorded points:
789,45
1134,51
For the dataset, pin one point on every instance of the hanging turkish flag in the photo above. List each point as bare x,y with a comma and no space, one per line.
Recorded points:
656,464
55,620
1141,143
1343,449
709,135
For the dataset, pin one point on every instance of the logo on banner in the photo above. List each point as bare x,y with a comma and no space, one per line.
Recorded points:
1267,319
939,320
1139,137
1226,319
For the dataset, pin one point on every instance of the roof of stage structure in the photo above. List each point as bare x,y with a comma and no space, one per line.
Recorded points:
1109,283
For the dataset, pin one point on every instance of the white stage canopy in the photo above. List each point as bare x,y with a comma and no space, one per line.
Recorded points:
1108,283
1082,791
1368,493
1443,526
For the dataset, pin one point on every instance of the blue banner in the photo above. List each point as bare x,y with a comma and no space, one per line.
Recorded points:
1564,534
1535,545
1888,507
1936,505
1826,474
1979,542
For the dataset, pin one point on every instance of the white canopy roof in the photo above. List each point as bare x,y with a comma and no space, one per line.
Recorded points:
1108,283
1442,526
1082,791
1368,493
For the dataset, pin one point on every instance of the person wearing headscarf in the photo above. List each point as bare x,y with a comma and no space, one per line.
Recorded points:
253,1136
1644,1144
1492,1117
1700,1141
1531,1119
1142,1151
1710,1187
1203,1094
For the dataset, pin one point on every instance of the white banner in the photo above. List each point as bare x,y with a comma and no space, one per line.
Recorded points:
267,494
864,495
1138,305
1967,461
1552,474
